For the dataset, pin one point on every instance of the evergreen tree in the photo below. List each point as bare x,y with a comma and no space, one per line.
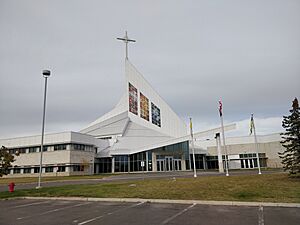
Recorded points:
291,140
5,161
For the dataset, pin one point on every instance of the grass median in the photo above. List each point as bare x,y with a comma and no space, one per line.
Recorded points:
259,188
22,180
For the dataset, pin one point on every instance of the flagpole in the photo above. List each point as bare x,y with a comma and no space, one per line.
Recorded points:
225,149
256,144
223,136
193,148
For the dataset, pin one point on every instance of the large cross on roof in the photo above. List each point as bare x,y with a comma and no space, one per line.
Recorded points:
126,40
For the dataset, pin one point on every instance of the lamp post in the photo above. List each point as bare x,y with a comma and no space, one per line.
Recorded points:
46,74
193,148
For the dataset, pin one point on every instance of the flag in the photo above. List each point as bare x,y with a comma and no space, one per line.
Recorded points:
220,108
191,124
251,124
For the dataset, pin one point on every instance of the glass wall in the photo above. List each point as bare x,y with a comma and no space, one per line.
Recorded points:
249,160
175,149
212,162
121,163
136,162
103,165
143,161
198,161
169,158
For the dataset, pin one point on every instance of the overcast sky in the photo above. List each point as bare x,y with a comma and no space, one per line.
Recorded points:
192,52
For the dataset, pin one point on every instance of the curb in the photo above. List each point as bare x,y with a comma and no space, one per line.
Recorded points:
167,201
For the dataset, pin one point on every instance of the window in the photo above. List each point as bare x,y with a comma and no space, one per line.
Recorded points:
78,147
133,99
17,170
155,113
144,107
20,150
36,169
61,169
77,168
121,163
105,138
104,165
242,164
32,149
255,163
49,169
27,170
60,147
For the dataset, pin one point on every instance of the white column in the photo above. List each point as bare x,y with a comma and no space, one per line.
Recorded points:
220,160
204,162
183,165
113,165
128,163
146,161
154,167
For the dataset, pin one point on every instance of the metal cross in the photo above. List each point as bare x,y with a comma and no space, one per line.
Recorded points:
126,40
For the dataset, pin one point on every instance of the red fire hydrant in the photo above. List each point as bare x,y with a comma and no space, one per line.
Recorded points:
11,187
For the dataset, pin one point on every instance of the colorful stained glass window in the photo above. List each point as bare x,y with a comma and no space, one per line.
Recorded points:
155,112
133,99
144,107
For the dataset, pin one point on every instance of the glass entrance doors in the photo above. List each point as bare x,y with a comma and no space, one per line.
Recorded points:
248,163
177,164
160,164
169,163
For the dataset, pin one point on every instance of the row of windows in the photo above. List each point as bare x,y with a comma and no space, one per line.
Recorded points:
135,162
59,147
252,155
48,169
174,149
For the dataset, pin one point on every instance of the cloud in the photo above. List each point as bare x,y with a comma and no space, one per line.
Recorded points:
193,53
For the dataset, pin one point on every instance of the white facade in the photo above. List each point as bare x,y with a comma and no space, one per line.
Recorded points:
141,133
242,150
67,153
129,132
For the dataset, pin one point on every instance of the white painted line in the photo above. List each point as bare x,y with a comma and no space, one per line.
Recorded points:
261,215
90,220
53,210
110,213
29,204
178,214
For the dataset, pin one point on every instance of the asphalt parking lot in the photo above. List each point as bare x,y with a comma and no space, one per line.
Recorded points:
61,212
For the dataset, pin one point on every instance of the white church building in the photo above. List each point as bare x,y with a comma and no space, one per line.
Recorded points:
141,133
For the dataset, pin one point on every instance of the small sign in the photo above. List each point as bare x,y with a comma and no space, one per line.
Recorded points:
142,163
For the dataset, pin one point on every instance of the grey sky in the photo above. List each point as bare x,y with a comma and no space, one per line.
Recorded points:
192,52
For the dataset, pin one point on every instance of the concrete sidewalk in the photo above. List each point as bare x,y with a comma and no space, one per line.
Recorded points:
169,201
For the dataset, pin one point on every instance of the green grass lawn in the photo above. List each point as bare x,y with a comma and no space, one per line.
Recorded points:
19,180
266,188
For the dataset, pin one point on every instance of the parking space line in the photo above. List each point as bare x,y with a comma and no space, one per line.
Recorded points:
54,210
178,214
261,215
29,204
110,213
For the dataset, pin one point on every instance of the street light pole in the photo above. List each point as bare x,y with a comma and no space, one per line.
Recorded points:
193,148
46,74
